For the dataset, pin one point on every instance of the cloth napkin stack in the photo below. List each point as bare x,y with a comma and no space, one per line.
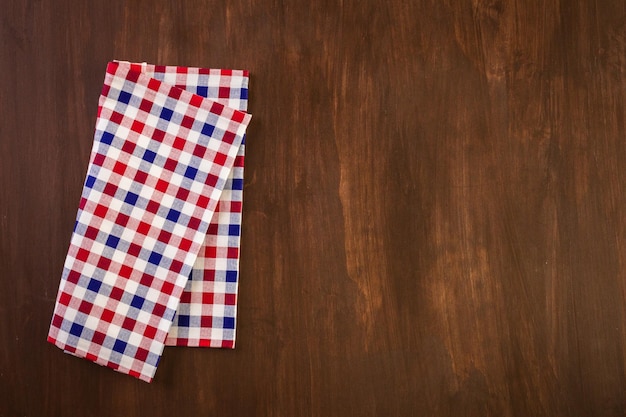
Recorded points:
154,256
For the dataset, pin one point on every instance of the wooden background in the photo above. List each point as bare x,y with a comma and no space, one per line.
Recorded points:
434,205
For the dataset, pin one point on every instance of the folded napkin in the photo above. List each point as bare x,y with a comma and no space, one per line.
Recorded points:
154,256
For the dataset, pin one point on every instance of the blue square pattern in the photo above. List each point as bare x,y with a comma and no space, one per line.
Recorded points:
173,215
202,91
119,346
183,320
137,302
89,183
231,276
94,285
112,241
149,155
191,173
244,93
237,184
155,258
207,129
107,137
233,230
76,329
124,97
229,322
131,198
166,114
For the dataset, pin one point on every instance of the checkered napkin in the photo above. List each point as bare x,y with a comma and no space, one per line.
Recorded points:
154,255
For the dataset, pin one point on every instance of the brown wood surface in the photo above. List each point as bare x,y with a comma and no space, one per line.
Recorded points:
434,205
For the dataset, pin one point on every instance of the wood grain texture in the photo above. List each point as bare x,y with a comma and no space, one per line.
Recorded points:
434,205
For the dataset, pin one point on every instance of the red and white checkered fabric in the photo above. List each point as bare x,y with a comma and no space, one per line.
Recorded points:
154,254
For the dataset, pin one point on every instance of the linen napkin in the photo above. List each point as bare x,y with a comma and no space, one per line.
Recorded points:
154,254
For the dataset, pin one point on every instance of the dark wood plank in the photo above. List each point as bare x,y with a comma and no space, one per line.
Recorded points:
433,218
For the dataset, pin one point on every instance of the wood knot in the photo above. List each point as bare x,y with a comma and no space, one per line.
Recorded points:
489,11
615,53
